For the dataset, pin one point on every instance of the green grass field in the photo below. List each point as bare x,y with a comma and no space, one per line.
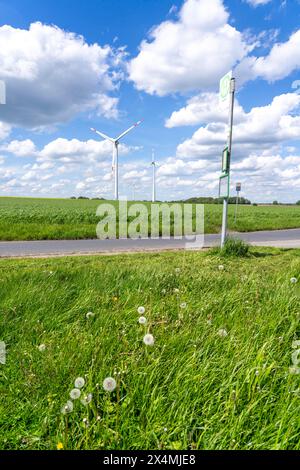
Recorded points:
217,377
42,219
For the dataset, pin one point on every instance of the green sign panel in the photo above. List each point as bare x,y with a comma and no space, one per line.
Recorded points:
225,160
225,86
224,186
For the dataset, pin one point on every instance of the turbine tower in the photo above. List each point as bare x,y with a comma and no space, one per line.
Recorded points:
115,158
153,177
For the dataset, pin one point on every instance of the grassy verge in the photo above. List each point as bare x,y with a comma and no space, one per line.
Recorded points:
47,219
217,376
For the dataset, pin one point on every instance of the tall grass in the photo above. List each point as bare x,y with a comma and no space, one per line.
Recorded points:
217,376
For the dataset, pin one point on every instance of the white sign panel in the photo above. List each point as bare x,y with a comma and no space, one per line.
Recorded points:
2,92
225,87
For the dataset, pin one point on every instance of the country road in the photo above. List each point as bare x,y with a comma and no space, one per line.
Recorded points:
276,238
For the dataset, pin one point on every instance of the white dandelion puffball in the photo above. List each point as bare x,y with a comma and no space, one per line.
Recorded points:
79,383
294,280
75,394
222,333
42,348
177,270
149,340
67,408
109,384
87,399
143,321
183,305
176,291
221,267
90,315
86,422
141,310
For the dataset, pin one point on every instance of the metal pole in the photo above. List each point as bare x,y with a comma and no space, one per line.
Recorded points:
154,184
117,172
153,178
229,142
236,207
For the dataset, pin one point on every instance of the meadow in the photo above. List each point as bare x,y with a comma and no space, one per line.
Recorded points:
217,376
48,219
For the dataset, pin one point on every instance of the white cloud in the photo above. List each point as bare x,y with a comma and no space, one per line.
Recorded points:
261,128
52,75
256,3
20,148
76,151
281,61
4,130
190,53
201,109
134,175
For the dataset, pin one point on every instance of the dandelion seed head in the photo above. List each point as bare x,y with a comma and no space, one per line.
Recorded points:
109,384
42,348
293,280
222,333
183,305
176,291
79,382
149,340
90,315
143,321
87,399
141,310
221,267
67,408
75,394
86,422
177,270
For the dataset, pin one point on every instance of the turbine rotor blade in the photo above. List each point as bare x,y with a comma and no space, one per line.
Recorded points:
129,130
105,137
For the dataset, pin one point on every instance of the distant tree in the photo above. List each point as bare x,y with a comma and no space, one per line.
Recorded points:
211,200
73,197
275,203
298,203
83,197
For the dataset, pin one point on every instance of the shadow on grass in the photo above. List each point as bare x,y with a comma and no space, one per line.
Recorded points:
259,254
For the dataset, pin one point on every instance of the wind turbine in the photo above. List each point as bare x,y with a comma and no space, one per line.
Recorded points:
115,158
153,177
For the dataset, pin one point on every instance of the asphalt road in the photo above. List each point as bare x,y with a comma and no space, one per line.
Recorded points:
276,238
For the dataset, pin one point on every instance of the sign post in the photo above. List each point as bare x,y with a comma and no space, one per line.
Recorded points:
227,90
238,190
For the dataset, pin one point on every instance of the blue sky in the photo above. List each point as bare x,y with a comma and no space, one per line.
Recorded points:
71,65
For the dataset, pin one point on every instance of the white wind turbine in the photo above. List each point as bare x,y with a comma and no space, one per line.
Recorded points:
154,164
115,159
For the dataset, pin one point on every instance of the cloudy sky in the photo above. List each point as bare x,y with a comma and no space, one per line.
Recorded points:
70,65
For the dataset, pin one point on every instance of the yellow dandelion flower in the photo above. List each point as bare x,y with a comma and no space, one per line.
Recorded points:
60,446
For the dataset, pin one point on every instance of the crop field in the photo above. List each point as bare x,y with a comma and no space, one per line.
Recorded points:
43,219
215,373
